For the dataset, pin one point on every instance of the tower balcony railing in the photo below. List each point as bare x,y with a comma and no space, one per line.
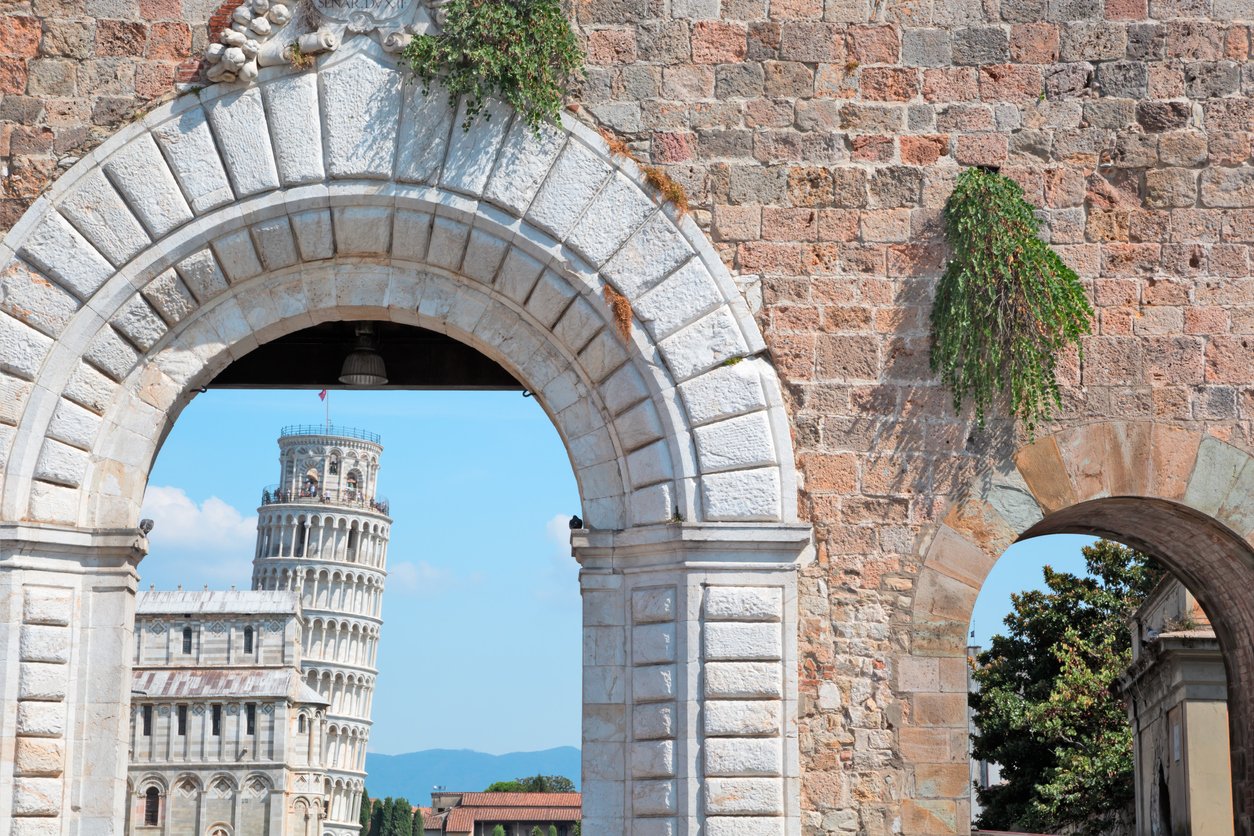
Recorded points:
274,495
331,429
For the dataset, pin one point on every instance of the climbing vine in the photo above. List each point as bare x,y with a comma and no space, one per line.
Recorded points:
522,51
1006,305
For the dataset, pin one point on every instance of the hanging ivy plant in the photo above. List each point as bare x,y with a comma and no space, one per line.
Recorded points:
521,51
1006,305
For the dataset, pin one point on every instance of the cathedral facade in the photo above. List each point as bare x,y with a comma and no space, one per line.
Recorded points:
251,709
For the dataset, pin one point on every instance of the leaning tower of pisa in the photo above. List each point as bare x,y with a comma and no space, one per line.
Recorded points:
323,531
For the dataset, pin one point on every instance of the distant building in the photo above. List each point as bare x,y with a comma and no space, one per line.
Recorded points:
1177,701
518,813
227,738
984,774
251,709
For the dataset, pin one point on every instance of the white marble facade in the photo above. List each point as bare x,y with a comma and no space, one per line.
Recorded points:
226,737
322,534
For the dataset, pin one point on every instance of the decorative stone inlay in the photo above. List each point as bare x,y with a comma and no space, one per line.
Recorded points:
264,33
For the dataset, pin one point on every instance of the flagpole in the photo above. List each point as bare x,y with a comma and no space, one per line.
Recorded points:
327,401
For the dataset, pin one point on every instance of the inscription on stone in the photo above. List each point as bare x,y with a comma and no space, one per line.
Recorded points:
361,15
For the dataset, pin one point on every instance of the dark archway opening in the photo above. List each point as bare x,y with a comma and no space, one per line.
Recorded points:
416,358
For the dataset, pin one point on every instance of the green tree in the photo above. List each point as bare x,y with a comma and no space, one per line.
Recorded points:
381,817
504,786
419,828
1045,709
536,783
365,812
499,830
552,830
402,817
536,831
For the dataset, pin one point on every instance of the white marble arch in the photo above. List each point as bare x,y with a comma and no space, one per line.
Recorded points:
237,214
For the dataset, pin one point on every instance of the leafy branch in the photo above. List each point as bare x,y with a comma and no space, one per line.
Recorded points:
1006,305
522,51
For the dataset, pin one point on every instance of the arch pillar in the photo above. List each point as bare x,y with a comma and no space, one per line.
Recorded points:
67,610
689,679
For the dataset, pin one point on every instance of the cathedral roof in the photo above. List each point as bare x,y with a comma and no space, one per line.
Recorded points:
218,601
232,683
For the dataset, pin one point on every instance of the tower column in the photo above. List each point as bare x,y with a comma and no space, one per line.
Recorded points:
336,558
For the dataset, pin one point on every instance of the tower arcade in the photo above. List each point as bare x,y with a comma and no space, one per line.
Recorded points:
322,532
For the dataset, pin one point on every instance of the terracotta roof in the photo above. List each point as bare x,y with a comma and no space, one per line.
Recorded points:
205,683
432,821
462,819
225,602
521,799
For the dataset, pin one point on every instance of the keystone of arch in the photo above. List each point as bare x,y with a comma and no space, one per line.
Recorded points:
171,249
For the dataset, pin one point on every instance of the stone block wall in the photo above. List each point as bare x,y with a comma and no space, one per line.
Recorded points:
818,140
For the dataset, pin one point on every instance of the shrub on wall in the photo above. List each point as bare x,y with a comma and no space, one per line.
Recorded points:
1006,305
521,51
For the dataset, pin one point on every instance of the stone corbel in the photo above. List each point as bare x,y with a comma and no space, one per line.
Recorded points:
395,41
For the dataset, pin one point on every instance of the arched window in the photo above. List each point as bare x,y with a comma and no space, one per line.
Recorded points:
300,724
248,640
187,639
152,806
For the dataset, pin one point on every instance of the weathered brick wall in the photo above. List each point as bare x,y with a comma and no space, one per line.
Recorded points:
73,71
821,140
818,142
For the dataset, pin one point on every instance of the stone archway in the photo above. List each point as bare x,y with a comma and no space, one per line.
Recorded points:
236,215
1180,495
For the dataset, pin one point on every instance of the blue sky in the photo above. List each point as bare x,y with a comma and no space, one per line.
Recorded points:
481,640
1019,569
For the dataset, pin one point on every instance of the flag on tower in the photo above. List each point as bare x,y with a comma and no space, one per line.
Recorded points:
322,396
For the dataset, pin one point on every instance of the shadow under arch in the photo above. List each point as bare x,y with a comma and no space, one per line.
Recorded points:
1181,496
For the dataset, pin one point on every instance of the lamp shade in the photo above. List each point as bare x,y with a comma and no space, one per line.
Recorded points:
364,365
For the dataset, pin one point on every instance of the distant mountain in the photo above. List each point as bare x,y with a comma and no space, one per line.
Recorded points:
412,775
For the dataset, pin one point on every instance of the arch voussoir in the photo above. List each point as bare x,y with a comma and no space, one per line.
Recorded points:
543,222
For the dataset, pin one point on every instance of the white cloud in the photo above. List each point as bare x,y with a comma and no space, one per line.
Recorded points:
212,541
421,578
558,532
559,579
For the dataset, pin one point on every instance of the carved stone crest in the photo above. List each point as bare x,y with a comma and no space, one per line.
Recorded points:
364,15
268,33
